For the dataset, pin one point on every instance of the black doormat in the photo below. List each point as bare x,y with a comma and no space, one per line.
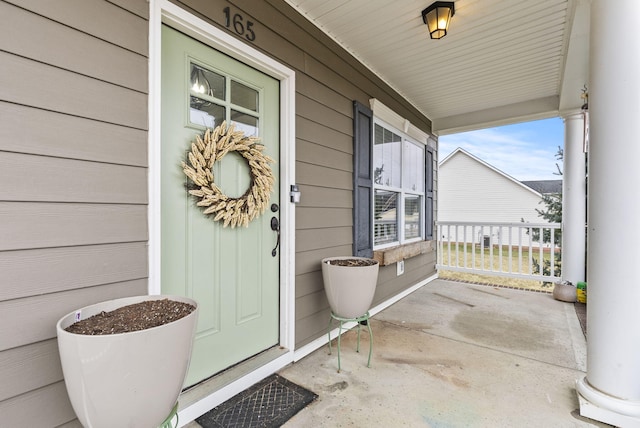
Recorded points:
267,404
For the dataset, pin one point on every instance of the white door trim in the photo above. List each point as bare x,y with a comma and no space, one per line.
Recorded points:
162,11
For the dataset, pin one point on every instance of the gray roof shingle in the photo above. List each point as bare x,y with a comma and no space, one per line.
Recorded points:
545,187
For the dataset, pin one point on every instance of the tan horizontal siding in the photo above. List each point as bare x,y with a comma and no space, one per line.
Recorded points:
73,183
310,327
341,78
70,93
309,283
34,318
322,113
40,178
319,218
29,367
139,7
31,130
389,284
309,261
310,303
318,196
42,41
321,155
48,406
324,94
316,239
311,174
101,19
40,225
317,133
41,271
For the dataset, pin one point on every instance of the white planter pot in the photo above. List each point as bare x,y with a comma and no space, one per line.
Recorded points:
349,289
127,379
564,292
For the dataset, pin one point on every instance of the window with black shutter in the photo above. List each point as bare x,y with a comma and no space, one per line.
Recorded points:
393,183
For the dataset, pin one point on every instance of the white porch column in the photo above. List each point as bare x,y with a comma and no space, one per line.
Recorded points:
611,390
574,209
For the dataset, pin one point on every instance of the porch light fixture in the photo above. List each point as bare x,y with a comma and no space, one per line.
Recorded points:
437,17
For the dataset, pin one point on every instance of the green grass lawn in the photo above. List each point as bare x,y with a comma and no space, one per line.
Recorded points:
475,259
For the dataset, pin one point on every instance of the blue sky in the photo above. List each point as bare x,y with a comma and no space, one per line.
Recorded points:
525,151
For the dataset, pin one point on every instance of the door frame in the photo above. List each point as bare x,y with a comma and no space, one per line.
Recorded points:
164,12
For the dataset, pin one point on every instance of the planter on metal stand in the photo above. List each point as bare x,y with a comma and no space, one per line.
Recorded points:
350,283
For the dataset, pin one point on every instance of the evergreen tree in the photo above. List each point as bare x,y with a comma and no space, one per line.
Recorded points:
553,214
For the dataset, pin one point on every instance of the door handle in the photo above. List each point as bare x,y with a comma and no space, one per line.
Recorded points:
275,226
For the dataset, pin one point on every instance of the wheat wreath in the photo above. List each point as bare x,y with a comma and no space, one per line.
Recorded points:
211,148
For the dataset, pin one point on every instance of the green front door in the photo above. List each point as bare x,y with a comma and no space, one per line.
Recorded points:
231,273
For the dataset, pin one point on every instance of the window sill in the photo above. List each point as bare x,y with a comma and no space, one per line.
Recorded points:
392,255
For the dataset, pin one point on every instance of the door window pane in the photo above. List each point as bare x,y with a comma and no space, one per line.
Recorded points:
244,96
385,217
205,113
387,158
412,214
413,167
206,82
245,123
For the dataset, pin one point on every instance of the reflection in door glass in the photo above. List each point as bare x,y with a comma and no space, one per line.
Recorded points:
205,82
245,123
205,113
244,96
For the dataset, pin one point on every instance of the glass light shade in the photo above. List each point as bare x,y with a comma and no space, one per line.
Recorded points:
437,17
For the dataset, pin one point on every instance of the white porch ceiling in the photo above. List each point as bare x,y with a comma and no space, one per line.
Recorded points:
502,61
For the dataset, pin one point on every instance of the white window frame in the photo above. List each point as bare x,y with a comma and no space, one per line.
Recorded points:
401,191
386,117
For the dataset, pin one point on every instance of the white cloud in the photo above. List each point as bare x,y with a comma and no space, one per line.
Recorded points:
516,152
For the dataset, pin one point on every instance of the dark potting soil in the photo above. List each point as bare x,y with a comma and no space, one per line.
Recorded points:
135,317
352,262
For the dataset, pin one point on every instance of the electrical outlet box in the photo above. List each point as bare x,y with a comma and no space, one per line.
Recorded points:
400,268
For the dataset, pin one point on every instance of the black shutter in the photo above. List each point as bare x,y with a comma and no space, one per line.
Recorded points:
428,210
362,180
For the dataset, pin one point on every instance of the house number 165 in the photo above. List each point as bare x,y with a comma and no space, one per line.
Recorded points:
239,25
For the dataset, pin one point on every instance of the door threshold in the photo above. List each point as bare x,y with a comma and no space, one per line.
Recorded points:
204,396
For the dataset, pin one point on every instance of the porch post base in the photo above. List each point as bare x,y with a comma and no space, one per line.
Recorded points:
601,407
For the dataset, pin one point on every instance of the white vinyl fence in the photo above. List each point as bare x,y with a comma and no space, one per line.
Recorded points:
503,249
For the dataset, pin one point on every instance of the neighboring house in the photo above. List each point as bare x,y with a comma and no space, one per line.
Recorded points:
471,190
99,102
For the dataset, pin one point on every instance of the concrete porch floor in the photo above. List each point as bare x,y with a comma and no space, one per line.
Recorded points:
453,355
